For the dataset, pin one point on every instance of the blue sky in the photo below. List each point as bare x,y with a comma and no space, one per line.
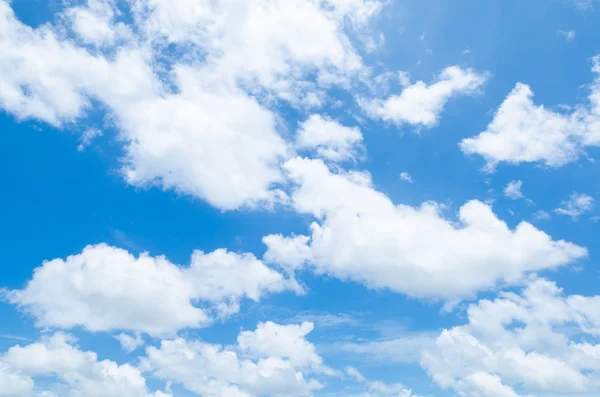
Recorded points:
299,198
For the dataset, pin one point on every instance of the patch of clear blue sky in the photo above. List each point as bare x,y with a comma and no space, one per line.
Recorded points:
55,200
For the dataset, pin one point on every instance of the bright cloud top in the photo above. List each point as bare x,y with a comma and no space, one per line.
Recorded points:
362,236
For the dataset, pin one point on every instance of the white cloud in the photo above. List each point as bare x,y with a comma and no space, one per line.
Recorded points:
93,23
405,176
361,235
422,104
283,341
524,132
513,190
106,288
577,205
535,343
130,343
272,360
177,126
329,139
81,374
14,384
275,51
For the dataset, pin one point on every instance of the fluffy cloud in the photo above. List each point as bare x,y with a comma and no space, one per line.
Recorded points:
80,373
265,42
174,116
272,360
106,288
329,139
522,131
362,236
421,104
537,343
283,341
576,206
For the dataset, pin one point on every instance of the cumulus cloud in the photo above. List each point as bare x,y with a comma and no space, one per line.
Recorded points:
534,343
522,131
174,116
80,373
421,104
274,360
329,139
106,288
577,205
361,235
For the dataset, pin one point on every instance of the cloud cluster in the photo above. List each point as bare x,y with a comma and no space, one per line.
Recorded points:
538,342
272,360
174,114
78,373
